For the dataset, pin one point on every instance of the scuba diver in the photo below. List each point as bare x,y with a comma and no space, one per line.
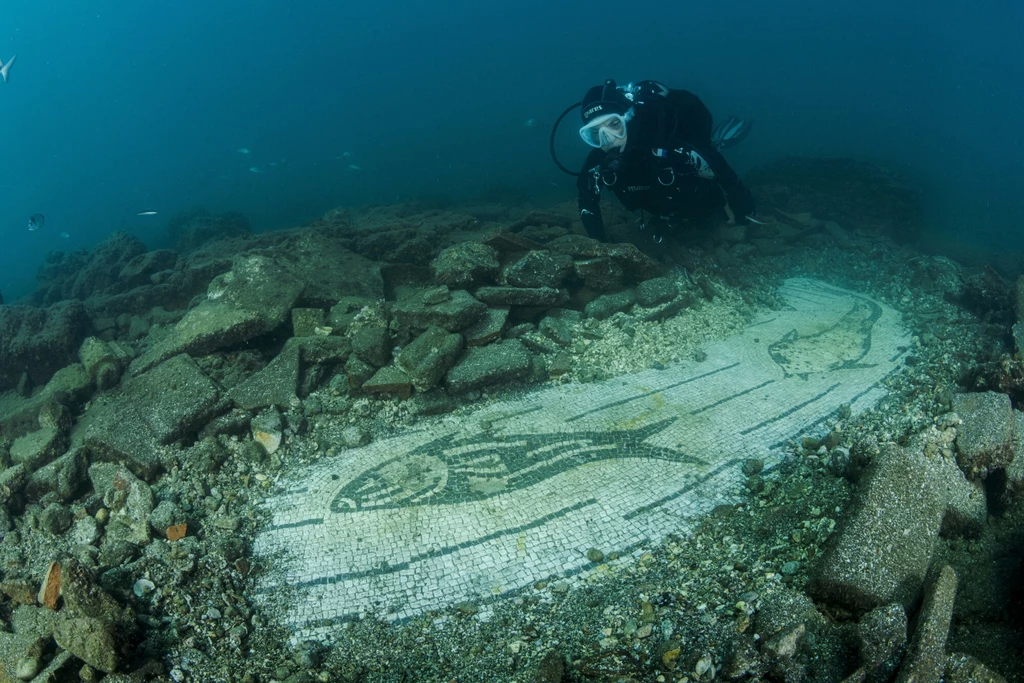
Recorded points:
655,149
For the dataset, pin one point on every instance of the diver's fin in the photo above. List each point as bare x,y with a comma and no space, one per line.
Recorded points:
5,69
730,131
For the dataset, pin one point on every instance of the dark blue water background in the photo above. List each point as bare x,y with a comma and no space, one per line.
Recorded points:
119,107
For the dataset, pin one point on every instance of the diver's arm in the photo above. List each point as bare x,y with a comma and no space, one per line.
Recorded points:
589,196
739,198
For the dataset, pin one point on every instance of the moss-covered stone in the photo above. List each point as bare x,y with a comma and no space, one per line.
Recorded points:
253,298
465,264
276,384
428,357
607,305
489,365
457,313
538,269
389,380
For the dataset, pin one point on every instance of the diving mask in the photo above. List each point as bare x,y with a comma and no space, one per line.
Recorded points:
607,130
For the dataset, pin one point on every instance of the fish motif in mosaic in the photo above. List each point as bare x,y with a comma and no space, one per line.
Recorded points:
459,469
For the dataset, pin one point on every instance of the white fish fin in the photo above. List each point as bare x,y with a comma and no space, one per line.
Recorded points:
5,69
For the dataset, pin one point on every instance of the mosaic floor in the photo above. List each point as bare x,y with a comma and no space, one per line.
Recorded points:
475,507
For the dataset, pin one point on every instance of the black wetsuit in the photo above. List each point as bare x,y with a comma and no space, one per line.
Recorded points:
669,166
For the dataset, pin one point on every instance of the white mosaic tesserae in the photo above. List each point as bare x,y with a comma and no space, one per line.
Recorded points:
476,507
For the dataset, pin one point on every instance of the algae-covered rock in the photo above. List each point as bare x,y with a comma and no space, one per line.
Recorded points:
457,312
601,274
177,397
325,270
483,366
900,492
63,477
465,264
428,357
656,291
39,342
882,638
129,500
607,305
985,440
18,650
538,269
39,447
104,361
69,387
141,268
963,668
56,519
268,430
559,329
926,656
1015,470
306,321
75,275
276,384
864,197
488,328
389,380
544,297
12,480
255,297
665,310
88,639
170,402
371,343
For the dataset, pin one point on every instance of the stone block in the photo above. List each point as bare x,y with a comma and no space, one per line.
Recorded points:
883,552
545,297
389,380
926,656
488,328
489,365
456,313
985,439
426,358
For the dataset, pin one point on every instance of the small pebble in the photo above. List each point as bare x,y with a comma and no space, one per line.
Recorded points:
467,608
27,668
752,466
354,437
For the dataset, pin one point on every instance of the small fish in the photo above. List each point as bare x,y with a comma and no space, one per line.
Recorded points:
65,235
354,167
5,69
346,155
36,220
256,169
146,213
530,123
243,150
